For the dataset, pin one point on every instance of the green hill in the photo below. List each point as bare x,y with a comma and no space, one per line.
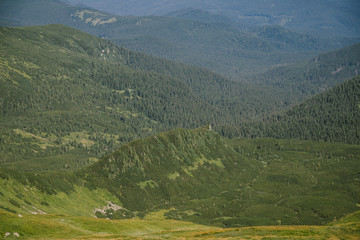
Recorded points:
330,116
197,176
211,180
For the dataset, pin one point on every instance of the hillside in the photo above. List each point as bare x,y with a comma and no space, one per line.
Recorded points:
210,180
64,91
330,116
67,92
221,47
195,175
314,75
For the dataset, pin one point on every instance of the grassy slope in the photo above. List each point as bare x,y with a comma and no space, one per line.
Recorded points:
67,227
197,176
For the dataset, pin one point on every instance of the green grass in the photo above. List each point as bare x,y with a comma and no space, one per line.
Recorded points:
25,199
70,227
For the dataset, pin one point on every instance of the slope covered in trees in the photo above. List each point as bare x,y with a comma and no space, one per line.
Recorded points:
330,116
65,91
314,75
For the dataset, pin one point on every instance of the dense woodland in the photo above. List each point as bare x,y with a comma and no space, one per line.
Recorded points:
93,91
332,116
314,75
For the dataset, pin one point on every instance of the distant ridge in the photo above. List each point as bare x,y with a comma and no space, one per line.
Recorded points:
222,47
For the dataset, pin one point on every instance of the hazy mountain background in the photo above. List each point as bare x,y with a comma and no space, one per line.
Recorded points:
190,36
332,18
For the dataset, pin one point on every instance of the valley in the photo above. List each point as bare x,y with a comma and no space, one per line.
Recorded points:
189,123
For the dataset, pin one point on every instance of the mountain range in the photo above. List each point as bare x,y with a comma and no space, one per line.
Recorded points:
224,47
99,141
334,18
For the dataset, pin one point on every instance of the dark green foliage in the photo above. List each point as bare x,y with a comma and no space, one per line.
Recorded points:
19,195
8,209
14,202
44,203
50,182
68,97
331,116
315,75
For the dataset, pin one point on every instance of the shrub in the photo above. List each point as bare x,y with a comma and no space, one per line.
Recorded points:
13,202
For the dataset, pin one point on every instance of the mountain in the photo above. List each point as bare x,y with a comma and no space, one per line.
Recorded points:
64,90
333,18
314,75
67,92
198,176
221,46
204,16
329,116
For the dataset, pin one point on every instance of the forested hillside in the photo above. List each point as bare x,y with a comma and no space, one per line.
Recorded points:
331,116
67,92
221,46
314,75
